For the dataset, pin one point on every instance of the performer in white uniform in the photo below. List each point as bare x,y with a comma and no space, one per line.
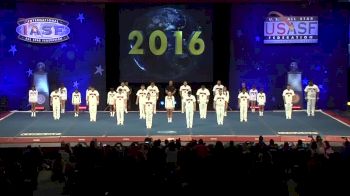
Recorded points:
33,100
190,107
76,101
154,92
120,104
111,101
140,100
93,100
252,97
243,102
149,110
55,102
312,94
288,95
126,91
218,86
261,97
227,95
63,91
87,95
220,103
169,106
203,99
184,89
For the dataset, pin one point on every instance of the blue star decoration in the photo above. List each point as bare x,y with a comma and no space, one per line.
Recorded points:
13,50
29,72
97,40
99,70
81,17
76,84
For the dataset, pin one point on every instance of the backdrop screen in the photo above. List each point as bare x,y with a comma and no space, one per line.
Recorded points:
162,43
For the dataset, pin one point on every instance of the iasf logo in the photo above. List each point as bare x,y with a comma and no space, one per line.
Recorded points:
42,30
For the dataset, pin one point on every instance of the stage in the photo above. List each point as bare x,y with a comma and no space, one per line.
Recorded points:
19,128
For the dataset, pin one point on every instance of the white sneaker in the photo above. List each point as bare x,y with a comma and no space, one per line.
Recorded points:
171,120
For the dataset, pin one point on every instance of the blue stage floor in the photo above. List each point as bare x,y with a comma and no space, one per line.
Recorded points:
20,125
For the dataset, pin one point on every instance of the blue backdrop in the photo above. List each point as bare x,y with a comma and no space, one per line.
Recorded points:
77,62
266,66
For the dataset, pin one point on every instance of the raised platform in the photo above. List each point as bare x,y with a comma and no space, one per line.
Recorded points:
20,128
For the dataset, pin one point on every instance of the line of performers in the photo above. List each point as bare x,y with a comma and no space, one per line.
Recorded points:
147,101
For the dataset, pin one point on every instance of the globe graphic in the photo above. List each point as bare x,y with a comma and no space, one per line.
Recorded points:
169,65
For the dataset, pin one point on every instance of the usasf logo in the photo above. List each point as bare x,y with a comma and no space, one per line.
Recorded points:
42,30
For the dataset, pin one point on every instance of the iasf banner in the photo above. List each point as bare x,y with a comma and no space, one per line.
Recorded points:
280,29
42,30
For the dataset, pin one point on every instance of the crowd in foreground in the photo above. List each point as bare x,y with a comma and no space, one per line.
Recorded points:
172,167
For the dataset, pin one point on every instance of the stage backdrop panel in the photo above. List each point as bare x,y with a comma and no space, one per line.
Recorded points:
77,62
162,43
267,65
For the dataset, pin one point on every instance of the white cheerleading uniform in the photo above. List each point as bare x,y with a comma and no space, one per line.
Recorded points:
243,105
120,101
63,92
227,96
126,91
142,95
217,88
149,110
311,95
169,102
203,99
189,102
87,96
184,93
288,102
220,102
154,95
56,104
111,97
261,99
252,94
76,98
93,102
252,97
33,96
